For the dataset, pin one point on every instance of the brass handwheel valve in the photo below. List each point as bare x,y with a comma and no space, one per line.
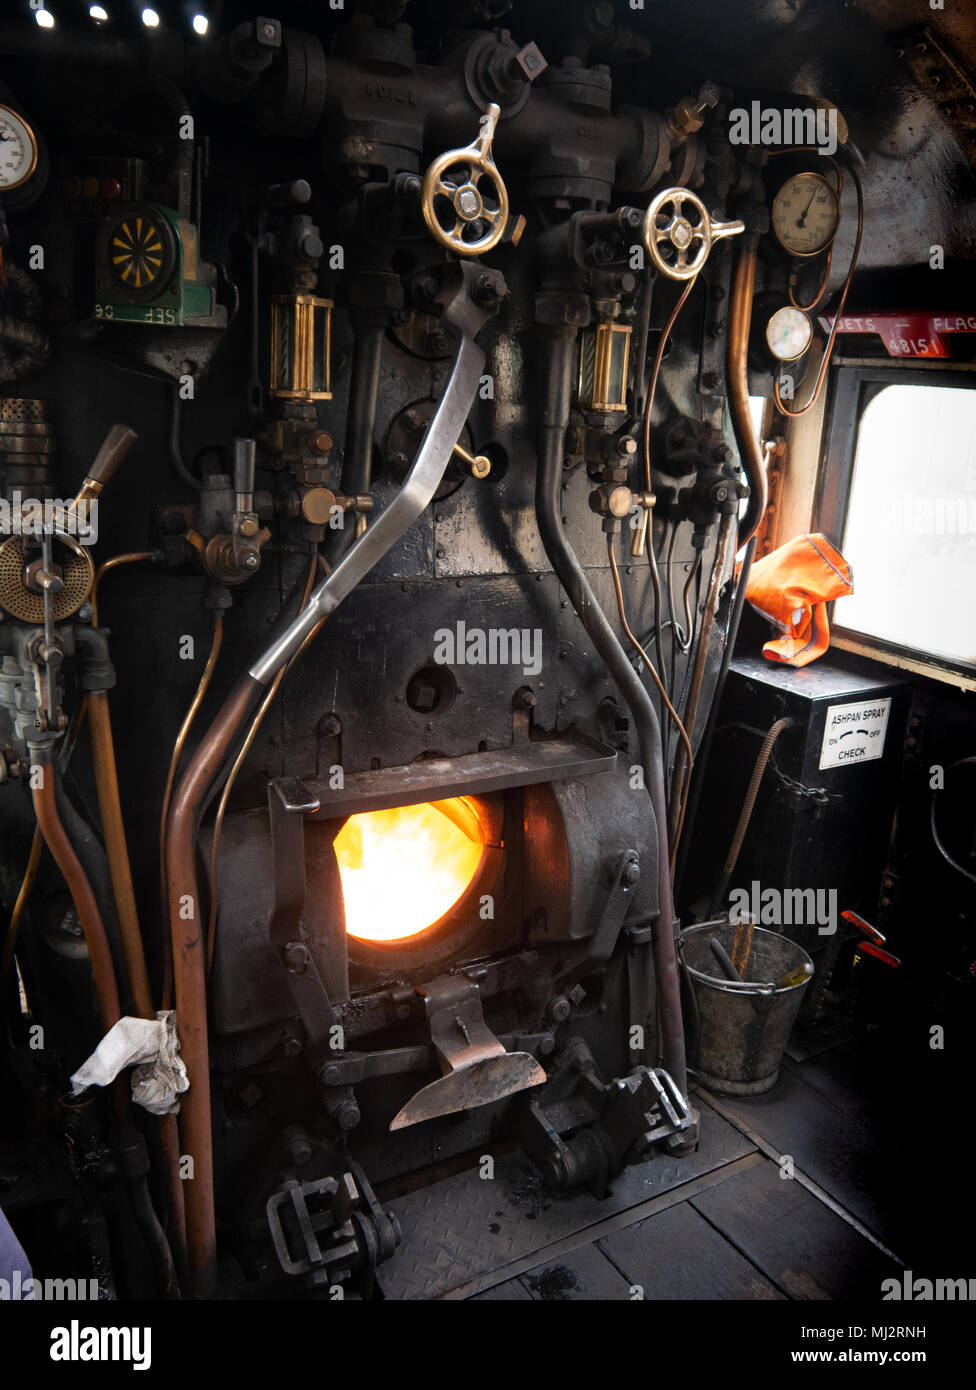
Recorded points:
464,217
679,234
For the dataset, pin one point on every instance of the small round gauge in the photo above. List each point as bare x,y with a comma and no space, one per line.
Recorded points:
806,214
789,333
18,150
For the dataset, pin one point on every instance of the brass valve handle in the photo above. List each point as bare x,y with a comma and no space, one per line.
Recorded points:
679,234
458,200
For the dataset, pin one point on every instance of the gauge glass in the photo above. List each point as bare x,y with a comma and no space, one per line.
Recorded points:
806,214
18,150
789,333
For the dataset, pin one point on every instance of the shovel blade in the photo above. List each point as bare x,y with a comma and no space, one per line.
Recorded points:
491,1079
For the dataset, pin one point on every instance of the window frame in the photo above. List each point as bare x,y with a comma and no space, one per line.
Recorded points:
853,388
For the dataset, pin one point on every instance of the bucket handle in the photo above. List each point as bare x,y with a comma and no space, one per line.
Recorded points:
729,986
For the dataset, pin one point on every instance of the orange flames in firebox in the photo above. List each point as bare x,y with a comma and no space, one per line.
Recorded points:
402,869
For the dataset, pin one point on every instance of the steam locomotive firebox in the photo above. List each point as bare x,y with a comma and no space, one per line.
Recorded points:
428,348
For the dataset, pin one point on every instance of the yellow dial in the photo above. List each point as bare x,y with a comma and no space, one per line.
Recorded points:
806,214
137,251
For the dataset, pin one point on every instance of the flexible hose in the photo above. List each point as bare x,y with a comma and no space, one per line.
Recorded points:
933,826
748,805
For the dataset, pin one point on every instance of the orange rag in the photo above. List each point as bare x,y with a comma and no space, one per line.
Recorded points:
792,587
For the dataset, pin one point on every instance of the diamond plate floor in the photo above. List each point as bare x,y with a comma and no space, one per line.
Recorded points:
465,1227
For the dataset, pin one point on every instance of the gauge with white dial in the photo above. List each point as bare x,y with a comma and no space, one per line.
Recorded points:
18,150
789,333
806,214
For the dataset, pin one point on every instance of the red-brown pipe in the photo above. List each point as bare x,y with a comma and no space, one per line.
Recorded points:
120,871
737,380
62,851
189,976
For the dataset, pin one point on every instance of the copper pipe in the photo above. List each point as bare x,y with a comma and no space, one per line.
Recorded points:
34,858
246,746
174,763
737,380
56,839
113,829
838,315
618,590
26,888
169,1134
113,825
128,558
678,784
189,968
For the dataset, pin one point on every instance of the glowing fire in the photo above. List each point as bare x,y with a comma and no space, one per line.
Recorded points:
402,869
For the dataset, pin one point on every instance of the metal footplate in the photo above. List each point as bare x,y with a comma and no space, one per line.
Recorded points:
477,1069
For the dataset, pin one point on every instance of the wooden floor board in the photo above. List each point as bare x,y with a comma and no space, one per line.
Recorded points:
803,1247
678,1255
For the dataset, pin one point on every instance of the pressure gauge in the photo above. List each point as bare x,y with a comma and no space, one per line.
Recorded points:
806,214
789,333
18,150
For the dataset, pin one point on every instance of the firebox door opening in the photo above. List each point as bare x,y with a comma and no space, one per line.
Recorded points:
415,879
402,870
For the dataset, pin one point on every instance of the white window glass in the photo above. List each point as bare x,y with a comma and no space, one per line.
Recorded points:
911,523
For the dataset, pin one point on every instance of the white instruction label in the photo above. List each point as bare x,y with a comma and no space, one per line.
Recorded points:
855,733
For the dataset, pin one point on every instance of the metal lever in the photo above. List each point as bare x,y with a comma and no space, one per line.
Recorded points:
478,465
244,471
436,449
116,445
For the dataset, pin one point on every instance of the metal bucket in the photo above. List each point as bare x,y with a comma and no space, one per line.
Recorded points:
742,1028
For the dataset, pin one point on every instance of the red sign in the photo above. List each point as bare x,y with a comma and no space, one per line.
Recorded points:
909,334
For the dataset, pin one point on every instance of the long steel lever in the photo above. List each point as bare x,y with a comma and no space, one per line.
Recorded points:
419,486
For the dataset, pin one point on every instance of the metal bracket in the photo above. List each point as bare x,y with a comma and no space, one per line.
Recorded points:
601,944
330,1229
611,1124
477,1069
289,801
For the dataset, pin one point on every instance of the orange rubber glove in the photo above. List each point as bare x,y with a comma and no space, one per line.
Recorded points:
791,588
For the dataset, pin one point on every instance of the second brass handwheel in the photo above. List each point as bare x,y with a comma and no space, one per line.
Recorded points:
679,234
